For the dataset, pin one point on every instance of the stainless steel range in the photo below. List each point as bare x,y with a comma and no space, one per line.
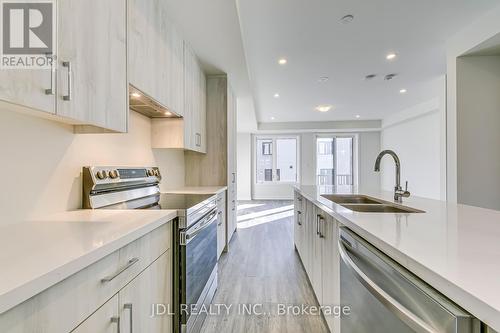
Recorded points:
195,232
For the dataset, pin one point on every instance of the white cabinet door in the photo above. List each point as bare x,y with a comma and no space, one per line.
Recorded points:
202,107
153,286
92,63
156,54
104,320
331,271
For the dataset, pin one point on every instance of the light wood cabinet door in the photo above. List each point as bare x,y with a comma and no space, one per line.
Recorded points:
221,223
27,88
231,160
153,286
317,250
331,271
156,54
92,63
104,320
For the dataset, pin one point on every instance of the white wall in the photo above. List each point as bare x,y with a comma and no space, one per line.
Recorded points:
368,147
470,37
478,131
244,154
417,136
42,162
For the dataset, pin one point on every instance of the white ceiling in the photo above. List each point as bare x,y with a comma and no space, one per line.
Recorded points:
309,34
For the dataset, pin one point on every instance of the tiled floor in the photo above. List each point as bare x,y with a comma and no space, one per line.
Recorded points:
263,270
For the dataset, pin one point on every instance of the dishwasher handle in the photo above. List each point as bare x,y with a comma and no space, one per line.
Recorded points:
410,319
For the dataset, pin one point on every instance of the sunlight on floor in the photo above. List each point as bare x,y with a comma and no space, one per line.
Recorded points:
262,213
265,216
247,206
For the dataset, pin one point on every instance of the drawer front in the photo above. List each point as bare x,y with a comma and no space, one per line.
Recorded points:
64,306
144,251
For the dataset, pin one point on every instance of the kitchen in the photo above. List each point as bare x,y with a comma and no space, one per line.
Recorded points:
165,141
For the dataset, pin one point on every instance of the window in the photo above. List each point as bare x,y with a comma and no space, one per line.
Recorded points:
276,160
334,160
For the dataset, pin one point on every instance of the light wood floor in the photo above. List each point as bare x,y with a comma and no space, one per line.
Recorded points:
262,268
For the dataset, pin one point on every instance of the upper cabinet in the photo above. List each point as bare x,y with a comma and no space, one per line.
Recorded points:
188,133
87,84
156,54
92,75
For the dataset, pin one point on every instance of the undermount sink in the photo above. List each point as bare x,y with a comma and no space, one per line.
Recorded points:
381,208
365,204
350,199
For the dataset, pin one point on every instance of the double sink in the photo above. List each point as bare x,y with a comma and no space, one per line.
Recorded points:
366,204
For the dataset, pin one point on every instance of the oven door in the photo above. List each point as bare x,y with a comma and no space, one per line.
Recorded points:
198,269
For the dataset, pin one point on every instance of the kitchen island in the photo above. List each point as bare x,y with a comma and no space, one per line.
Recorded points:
454,248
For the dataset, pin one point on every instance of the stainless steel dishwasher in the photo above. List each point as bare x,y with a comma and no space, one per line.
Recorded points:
384,297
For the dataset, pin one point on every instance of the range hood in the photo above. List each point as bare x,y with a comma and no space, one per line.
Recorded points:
142,103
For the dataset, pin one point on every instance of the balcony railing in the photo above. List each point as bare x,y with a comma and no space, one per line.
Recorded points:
340,180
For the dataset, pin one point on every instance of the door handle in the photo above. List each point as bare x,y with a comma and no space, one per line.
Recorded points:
67,64
130,307
116,320
52,89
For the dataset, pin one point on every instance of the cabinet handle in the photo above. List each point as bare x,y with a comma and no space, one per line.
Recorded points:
321,226
317,224
52,90
299,216
110,278
116,320
219,223
198,140
130,307
70,75
319,218
234,177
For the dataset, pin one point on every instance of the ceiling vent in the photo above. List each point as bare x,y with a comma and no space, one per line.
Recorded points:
370,77
389,77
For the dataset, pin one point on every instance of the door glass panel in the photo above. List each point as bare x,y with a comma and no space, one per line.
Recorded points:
343,150
286,160
264,160
325,161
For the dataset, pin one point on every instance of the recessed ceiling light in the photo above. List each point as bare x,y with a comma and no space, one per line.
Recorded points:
276,95
391,56
323,108
168,113
323,79
272,118
403,91
135,95
347,19
282,61
358,116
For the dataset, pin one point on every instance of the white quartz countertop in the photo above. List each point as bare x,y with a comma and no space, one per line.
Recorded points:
35,255
197,190
454,248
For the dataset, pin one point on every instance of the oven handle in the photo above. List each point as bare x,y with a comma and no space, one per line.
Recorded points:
417,324
207,221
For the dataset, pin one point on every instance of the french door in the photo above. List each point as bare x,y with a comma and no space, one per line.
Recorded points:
335,160
276,159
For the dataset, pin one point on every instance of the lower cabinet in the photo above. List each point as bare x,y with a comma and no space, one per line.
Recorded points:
107,295
315,236
151,289
221,223
104,320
